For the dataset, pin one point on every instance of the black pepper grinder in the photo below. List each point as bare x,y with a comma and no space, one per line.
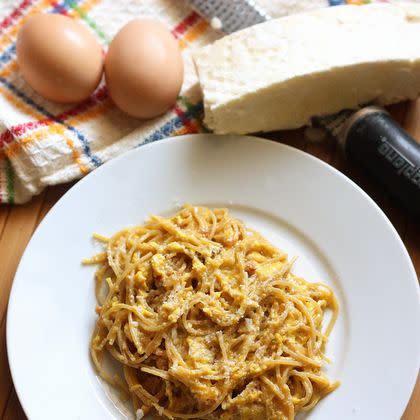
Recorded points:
371,138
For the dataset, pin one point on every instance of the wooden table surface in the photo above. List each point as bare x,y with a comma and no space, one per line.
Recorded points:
19,222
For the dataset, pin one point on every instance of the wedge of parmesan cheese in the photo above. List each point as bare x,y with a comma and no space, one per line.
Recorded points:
279,74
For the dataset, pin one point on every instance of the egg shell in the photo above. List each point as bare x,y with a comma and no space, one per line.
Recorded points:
144,69
59,57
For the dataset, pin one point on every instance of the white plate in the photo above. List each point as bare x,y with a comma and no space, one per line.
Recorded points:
300,203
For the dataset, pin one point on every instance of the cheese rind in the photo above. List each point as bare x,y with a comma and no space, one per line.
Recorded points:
279,74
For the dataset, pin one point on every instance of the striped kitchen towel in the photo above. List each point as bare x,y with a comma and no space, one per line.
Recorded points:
43,143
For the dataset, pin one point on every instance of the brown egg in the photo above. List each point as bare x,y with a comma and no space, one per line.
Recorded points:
144,69
59,57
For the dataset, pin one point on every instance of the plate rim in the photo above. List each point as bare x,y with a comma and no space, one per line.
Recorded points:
191,137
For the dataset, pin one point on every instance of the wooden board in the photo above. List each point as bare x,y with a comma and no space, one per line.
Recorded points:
18,223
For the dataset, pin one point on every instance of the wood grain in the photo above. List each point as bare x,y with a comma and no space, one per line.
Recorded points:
411,119
14,410
18,223
412,411
16,234
3,218
5,380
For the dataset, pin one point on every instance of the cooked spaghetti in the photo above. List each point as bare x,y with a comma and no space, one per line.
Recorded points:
207,320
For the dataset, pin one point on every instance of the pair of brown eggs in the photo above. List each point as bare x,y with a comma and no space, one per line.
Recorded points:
62,61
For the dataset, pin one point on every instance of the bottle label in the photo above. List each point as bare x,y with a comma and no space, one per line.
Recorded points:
402,165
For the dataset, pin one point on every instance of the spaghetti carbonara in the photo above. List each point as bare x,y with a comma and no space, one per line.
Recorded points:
208,321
